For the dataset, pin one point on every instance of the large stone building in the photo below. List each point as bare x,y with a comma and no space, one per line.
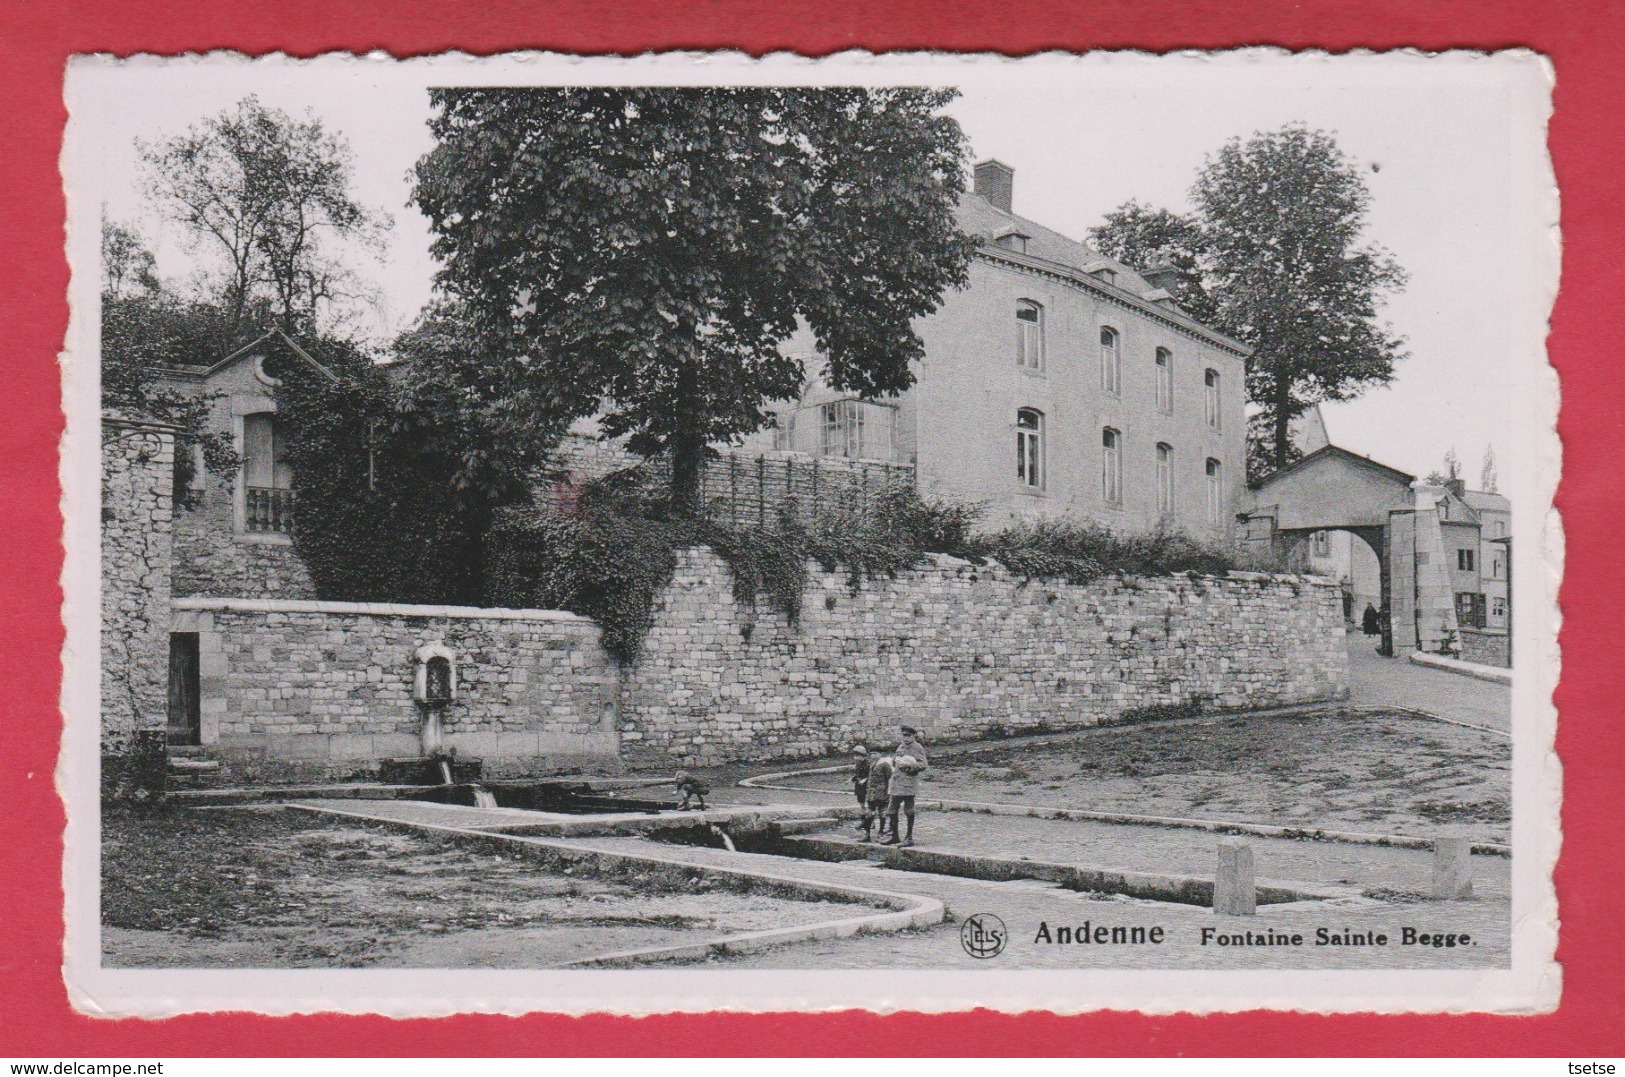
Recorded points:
1058,383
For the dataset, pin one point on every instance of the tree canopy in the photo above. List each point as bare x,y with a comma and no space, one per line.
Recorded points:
1273,254
146,327
641,254
1144,238
266,193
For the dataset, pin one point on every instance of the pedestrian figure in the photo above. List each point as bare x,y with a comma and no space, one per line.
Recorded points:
879,795
1369,624
908,764
860,779
692,790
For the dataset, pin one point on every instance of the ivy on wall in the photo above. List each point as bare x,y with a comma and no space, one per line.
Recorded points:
609,550
379,517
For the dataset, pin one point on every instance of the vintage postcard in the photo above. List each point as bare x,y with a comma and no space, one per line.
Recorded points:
913,531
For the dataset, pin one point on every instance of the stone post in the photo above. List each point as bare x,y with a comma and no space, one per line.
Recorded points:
1452,868
1235,892
136,561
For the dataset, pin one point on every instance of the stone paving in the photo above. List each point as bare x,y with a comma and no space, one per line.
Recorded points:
1190,852
1392,880
1375,681
1025,905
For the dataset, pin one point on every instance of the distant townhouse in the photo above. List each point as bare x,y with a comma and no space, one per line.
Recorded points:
1058,383
1495,534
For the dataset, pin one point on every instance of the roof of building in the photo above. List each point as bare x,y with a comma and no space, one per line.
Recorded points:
1336,452
1308,430
1049,250
1485,501
1469,513
248,351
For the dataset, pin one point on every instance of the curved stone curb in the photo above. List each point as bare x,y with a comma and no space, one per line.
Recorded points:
1166,886
1476,670
903,911
1413,712
1217,826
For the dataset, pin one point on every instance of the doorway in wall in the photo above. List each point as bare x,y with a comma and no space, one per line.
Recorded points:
185,726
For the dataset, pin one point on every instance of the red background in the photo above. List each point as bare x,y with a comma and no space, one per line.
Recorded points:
36,36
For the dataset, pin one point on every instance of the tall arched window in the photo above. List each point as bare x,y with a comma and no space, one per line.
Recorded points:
1029,335
1165,480
1030,448
1211,378
1111,360
1215,492
1165,381
267,477
1111,466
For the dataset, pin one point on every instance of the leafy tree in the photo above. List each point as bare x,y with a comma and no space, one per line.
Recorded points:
262,190
1144,238
641,254
1488,476
1276,240
145,329
127,264
440,397
1451,471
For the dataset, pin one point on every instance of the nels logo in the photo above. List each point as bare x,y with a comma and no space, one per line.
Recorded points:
983,935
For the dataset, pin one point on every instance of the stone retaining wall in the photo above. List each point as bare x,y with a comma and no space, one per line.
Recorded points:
1486,648
138,461
325,689
962,650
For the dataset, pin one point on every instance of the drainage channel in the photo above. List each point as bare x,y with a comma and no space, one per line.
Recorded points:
774,840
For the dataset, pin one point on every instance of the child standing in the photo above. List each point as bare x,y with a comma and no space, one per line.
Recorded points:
860,778
907,766
880,772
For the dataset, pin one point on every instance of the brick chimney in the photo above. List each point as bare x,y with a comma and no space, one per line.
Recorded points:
996,182
1164,276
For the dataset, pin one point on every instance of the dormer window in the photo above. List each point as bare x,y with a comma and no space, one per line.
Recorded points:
1012,240
1102,271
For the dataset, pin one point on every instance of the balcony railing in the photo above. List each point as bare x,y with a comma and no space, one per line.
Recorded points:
268,511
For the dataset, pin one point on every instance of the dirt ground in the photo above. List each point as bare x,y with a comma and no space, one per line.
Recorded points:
1387,774
282,888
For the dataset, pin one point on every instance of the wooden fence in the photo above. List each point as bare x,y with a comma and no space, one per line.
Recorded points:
754,489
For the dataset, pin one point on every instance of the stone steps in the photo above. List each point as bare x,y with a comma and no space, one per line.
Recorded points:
192,770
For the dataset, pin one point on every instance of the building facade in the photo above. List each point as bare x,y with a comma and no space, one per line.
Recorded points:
1059,383
234,532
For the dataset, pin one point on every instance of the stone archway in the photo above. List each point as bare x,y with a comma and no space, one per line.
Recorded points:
1288,542
1333,489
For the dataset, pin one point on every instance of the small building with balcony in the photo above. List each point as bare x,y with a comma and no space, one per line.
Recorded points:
233,535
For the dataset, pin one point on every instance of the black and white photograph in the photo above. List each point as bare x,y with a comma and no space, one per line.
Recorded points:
905,532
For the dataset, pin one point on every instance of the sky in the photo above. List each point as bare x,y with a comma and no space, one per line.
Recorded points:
1434,143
